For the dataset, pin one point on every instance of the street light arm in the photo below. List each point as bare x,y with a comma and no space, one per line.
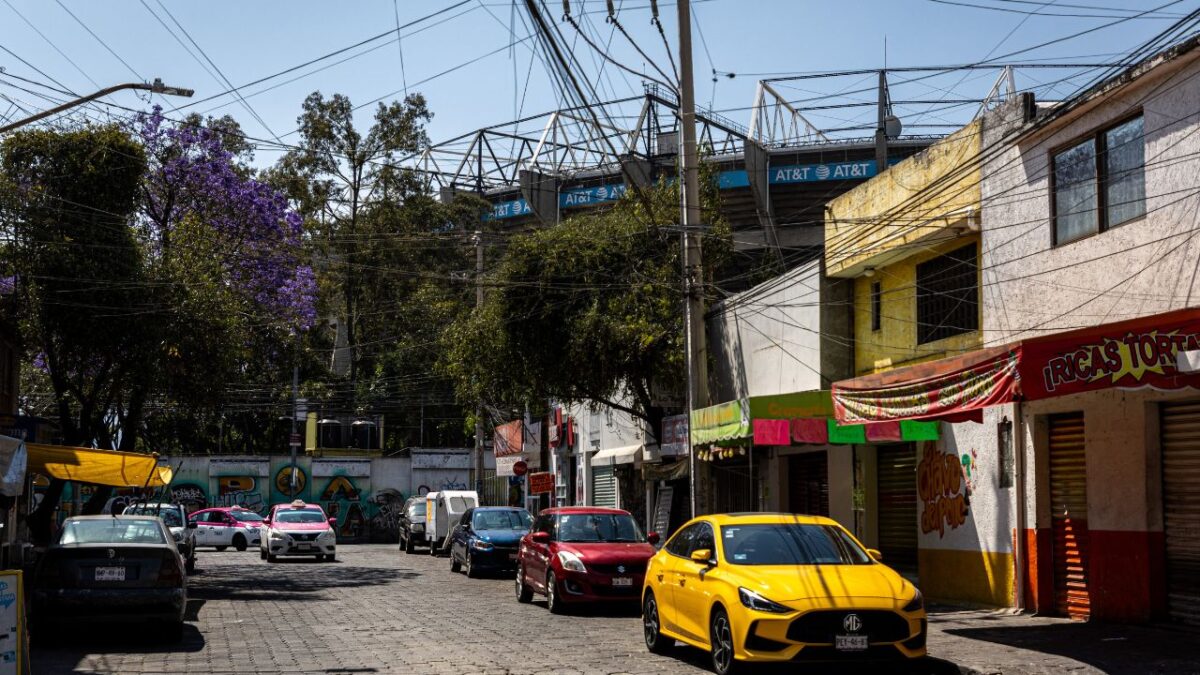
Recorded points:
157,87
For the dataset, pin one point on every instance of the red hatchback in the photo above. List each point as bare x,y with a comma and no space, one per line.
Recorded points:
583,554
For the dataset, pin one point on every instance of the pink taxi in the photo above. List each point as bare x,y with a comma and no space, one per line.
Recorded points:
223,527
298,529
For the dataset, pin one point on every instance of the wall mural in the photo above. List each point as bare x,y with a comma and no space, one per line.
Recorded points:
943,490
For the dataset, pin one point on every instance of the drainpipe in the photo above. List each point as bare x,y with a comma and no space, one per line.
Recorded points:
1019,560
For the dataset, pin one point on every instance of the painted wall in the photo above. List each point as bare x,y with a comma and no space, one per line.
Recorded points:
854,236
599,427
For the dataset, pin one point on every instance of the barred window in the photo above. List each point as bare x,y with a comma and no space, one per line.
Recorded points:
876,306
948,295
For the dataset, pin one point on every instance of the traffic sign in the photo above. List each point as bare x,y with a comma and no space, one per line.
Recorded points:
295,440
540,483
520,468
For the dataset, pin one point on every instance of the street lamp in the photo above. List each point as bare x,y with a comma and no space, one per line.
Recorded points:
156,87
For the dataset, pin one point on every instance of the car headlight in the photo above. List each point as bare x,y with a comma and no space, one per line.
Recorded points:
418,527
481,545
178,536
917,603
571,562
757,602
278,536
326,535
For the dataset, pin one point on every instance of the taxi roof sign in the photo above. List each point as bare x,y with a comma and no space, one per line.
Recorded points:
298,504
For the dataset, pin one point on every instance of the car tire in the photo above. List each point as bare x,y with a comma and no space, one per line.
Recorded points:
553,602
455,566
189,565
472,573
409,546
222,548
271,557
524,592
239,542
720,632
262,553
656,642
433,549
332,557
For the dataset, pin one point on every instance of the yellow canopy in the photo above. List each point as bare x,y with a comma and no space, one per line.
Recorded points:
102,467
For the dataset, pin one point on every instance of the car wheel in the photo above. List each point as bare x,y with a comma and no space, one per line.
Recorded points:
239,542
262,553
553,602
222,548
656,642
189,565
524,592
721,640
271,557
469,568
455,566
332,557
433,551
408,545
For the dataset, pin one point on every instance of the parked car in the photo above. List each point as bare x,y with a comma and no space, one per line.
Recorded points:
777,587
444,510
176,520
583,554
107,568
487,538
412,524
223,527
298,529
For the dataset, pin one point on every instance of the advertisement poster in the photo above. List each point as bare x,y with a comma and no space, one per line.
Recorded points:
14,643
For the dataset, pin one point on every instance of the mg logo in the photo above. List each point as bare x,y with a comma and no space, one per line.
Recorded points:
852,623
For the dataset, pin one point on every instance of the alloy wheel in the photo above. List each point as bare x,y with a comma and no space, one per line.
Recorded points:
722,643
655,641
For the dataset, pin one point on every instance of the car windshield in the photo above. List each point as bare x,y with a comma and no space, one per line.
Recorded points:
416,510
582,527
501,520
112,531
300,516
246,516
169,514
790,544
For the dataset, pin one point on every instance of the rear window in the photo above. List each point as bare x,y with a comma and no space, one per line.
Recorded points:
416,510
246,516
112,531
169,515
459,504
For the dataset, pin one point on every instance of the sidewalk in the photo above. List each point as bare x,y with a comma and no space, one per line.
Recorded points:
985,642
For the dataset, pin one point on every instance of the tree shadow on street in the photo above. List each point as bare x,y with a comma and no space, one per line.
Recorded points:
65,647
293,582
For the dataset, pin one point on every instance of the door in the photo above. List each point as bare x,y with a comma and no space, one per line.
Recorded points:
896,478
1180,424
537,556
691,595
1068,515
221,528
604,486
460,537
808,483
665,579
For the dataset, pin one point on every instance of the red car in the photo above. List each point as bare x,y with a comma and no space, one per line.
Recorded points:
583,554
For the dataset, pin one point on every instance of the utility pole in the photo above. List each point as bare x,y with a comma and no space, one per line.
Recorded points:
693,314
478,404
157,87
294,441
881,141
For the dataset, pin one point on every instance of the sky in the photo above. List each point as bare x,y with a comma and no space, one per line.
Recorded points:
464,60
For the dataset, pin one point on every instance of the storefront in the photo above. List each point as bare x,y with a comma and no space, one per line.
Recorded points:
1095,429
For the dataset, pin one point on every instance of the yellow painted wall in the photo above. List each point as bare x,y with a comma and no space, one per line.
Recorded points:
888,214
895,343
975,577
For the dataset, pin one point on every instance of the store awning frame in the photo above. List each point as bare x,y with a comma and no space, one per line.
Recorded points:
99,467
623,455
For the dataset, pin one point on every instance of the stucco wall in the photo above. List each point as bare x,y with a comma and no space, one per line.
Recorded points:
1143,267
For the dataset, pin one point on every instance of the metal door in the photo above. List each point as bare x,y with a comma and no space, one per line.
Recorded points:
897,500
1068,515
604,486
1181,508
808,483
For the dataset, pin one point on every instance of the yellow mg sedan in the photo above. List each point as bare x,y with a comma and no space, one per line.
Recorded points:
760,587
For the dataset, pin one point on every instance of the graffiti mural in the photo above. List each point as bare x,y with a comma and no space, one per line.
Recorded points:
283,482
453,483
384,526
340,489
942,489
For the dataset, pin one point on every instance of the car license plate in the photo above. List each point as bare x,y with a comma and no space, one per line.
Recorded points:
850,643
512,556
303,547
110,574
622,581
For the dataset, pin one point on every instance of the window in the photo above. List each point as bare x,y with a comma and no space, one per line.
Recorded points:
876,305
790,544
1100,182
681,544
948,295
704,540
592,527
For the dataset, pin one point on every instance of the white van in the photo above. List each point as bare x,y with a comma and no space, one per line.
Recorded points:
444,510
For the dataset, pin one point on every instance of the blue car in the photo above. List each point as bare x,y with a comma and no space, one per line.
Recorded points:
487,538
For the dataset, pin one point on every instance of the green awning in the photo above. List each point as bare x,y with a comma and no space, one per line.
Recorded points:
722,422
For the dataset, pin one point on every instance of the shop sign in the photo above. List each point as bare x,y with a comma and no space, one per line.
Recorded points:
508,439
541,483
674,442
721,422
817,403
1128,355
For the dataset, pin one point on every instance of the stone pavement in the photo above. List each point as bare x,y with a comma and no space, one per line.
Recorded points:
377,610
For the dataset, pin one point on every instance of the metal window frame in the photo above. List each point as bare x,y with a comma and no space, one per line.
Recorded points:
1099,137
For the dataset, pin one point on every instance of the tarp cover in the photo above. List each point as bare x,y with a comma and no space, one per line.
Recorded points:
13,458
101,467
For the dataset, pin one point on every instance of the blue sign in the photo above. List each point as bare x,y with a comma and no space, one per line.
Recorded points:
566,200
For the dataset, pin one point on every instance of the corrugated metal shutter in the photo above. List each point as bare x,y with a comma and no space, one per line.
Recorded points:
734,489
1068,508
604,486
897,500
808,483
1181,508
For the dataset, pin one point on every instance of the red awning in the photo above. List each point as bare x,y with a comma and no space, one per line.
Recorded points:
1135,354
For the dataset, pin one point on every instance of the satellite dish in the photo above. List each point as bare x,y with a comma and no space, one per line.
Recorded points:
892,126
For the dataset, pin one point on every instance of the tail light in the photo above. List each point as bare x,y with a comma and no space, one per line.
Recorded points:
169,573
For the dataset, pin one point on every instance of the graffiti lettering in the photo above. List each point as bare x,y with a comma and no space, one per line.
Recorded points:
940,486
190,495
452,484
340,488
232,484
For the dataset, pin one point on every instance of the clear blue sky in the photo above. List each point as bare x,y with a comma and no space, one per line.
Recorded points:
250,40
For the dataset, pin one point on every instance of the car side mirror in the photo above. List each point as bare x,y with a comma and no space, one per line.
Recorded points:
540,537
653,538
703,556
875,554
191,525
267,522
333,522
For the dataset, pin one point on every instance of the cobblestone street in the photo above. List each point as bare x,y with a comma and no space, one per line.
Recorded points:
378,610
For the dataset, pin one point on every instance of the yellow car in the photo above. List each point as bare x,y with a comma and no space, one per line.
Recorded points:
762,587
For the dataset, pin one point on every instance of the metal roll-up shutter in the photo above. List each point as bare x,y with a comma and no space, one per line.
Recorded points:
897,500
1068,515
808,483
604,486
1181,508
